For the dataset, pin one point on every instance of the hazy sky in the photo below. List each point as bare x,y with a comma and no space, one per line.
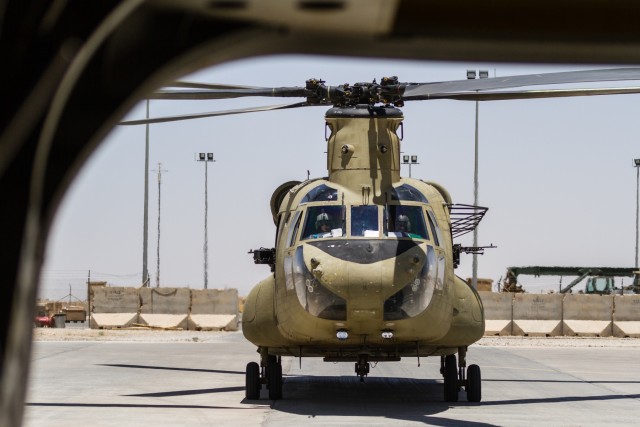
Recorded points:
556,175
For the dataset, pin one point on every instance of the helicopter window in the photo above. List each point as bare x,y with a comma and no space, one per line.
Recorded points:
437,237
282,218
406,221
314,297
293,230
364,221
409,193
324,221
416,294
321,193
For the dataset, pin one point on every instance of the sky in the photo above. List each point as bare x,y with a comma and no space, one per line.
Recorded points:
556,174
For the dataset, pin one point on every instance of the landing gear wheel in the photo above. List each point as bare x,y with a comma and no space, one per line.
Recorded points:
271,361
450,378
275,381
252,381
474,384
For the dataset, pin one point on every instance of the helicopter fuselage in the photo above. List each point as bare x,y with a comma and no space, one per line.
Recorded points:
363,258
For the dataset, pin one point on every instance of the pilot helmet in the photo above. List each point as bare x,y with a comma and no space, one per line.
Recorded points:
403,220
321,219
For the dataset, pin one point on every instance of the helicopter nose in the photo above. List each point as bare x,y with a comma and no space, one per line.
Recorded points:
370,270
364,251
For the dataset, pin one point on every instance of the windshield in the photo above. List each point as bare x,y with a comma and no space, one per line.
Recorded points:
330,221
406,221
364,221
324,221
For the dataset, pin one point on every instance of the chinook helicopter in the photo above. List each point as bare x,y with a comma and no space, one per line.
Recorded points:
363,265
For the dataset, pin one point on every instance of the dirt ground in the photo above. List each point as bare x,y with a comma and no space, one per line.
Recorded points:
145,335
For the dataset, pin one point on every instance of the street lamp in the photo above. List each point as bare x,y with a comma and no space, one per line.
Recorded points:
471,75
410,160
206,158
636,164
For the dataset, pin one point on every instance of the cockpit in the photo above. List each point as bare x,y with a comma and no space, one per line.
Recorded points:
404,216
404,228
395,221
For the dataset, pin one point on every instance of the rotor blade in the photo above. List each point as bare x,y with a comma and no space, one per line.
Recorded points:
198,85
214,114
282,92
533,94
419,91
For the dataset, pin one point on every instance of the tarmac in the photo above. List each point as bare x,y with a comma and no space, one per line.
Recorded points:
175,378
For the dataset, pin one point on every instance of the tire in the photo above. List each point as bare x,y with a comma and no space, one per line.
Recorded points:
275,381
252,381
474,387
450,379
271,361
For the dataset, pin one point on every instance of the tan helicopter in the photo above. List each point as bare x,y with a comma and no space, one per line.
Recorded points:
363,263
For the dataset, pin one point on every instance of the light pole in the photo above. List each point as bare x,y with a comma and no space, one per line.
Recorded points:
410,160
206,158
471,74
636,164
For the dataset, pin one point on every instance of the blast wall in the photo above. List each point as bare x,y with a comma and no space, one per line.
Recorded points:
561,314
170,308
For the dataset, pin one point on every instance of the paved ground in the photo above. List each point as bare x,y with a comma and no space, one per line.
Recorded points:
156,378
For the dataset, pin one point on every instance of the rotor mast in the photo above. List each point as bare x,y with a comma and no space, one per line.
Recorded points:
363,152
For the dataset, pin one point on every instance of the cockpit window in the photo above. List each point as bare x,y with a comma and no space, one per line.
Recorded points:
324,221
293,229
406,221
321,193
406,192
437,236
364,221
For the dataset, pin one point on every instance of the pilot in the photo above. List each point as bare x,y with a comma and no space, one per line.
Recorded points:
403,224
323,224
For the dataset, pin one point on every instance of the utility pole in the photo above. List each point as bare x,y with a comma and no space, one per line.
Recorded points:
160,170
636,163
471,74
206,158
145,234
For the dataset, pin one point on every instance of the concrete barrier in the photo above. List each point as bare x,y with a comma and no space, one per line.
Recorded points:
537,315
114,307
214,309
498,312
113,320
169,308
165,321
626,316
588,315
115,300
165,307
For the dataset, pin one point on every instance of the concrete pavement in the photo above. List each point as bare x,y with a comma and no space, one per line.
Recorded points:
117,383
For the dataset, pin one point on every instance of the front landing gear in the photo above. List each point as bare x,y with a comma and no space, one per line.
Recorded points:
474,384
455,378
269,372
253,383
451,387
362,367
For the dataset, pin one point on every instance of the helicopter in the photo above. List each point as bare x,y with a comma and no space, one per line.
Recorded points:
362,269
